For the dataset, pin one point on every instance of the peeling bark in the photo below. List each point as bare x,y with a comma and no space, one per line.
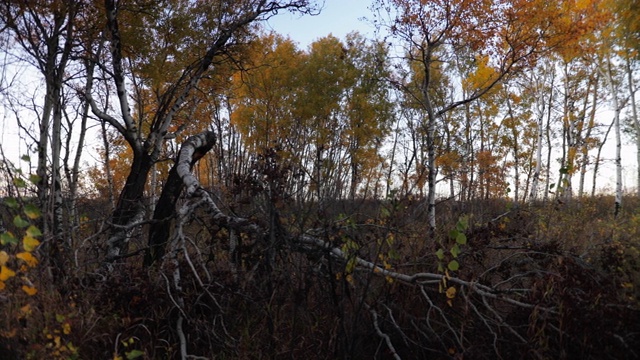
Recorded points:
160,229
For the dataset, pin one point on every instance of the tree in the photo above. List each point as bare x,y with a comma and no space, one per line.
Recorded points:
185,59
502,36
46,33
541,80
325,111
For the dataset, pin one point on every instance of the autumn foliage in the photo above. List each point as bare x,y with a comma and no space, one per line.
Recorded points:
205,188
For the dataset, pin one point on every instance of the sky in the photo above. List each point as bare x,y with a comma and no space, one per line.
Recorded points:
337,17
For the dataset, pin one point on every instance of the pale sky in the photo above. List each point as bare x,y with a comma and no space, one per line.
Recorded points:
337,17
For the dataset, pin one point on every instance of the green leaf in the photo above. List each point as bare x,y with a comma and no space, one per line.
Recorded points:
133,354
32,211
462,224
8,238
455,250
440,254
453,234
11,202
19,183
453,265
33,231
26,158
34,179
60,318
20,222
461,239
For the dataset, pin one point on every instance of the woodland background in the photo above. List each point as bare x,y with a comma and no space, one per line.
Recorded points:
196,186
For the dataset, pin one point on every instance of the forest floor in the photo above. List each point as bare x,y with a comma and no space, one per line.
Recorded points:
535,281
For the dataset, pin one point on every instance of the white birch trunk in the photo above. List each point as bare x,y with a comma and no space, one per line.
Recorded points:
585,148
533,195
616,128
634,115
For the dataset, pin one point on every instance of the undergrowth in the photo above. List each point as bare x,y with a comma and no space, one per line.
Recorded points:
573,258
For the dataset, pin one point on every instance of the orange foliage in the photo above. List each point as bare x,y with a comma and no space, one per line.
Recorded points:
491,177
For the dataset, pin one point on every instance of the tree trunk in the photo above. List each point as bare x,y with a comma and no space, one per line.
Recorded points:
536,174
585,139
73,175
516,152
634,115
616,128
547,187
129,211
430,126
160,229
58,246
596,166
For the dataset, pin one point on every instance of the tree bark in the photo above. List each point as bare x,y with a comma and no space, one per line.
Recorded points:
634,115
616,128
585,140
160,229
533,195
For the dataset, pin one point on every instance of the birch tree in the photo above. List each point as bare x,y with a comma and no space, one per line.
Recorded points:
502,37
45,32
199,36
616,106
542,82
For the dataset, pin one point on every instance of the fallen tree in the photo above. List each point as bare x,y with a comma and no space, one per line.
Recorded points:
533,301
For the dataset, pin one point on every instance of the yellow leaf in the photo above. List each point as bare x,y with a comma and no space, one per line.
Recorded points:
349,279
66,328
28,258
6,273
4,257
29,243
26,310
451,292
29,290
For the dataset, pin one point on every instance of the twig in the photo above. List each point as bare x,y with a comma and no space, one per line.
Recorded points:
384,336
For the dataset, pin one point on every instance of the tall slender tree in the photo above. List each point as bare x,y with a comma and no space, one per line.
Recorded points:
503,37
45,32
